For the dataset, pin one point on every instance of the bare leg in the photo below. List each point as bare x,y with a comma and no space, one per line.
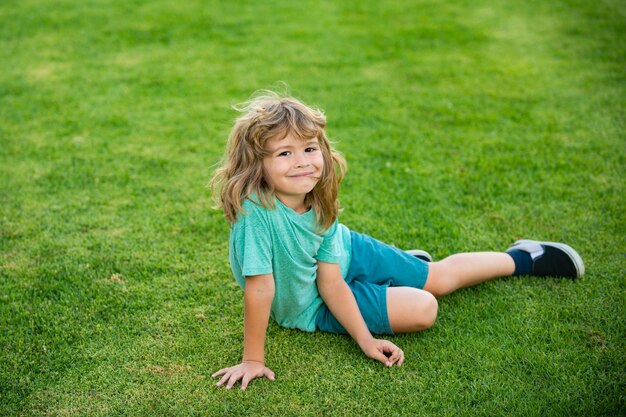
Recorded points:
467,269
410,309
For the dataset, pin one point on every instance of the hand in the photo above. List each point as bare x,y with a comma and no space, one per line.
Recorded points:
246,371
383,351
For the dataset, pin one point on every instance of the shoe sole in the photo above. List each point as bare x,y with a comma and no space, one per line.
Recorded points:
573,255
420,253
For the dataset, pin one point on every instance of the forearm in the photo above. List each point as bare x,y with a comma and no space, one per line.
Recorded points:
258,297
341,302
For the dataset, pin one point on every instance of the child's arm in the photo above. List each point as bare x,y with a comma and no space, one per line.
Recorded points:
257,299
341,302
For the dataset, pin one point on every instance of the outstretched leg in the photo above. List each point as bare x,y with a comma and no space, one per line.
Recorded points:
411,309
465,270
524,257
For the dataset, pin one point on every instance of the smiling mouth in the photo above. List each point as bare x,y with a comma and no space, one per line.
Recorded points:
303,175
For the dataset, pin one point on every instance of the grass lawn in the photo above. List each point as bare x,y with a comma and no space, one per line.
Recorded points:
466,126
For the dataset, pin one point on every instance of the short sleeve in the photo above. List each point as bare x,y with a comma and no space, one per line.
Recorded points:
254,243
331,248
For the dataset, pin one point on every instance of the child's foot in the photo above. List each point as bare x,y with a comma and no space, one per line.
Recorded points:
420,254
546,259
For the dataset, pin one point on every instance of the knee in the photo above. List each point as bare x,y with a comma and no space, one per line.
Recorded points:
429,308
410,310
425,312
441,279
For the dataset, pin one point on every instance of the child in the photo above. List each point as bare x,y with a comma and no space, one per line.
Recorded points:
278,188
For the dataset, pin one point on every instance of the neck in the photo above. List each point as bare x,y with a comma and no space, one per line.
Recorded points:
296,203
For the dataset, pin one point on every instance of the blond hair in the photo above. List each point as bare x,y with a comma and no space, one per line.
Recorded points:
269,115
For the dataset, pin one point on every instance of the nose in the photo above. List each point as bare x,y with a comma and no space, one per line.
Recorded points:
302,161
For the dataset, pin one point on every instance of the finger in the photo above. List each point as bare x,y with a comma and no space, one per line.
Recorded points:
224,378
388,349
379,356
401,361
269,374
245,381
396,355
236,376
220,372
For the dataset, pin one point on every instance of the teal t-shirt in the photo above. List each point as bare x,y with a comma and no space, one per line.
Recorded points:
287,244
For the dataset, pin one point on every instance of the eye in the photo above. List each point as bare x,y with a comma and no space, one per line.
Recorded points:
284,153
310,149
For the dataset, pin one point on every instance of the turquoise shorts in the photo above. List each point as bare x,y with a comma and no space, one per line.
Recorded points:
374,267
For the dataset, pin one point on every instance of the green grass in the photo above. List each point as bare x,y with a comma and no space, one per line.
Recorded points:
466,125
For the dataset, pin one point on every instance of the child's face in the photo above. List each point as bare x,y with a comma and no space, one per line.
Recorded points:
293,167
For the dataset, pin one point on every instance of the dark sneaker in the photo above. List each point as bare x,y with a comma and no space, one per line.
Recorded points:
552,259
420,254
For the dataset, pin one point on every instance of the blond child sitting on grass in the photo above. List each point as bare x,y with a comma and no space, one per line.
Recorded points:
278,187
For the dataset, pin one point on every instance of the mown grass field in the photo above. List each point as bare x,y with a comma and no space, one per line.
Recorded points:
466,126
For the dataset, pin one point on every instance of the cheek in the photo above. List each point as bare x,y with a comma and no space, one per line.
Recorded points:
271,170
319,161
